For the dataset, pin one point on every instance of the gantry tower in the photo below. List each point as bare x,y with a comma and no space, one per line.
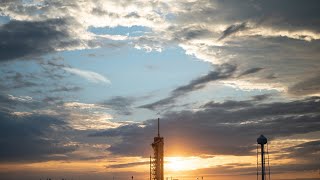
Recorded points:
156,162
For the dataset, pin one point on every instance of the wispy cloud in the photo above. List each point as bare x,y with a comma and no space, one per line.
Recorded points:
89,75
122,105
233,29
20,98
221,72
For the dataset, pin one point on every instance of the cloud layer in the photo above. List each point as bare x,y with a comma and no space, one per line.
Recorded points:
228,128
266,35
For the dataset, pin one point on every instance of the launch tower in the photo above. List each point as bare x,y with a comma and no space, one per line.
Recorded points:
156,162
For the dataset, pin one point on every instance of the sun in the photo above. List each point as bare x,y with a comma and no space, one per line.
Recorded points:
176,164
183,163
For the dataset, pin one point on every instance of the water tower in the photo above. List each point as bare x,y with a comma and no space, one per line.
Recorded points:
262,141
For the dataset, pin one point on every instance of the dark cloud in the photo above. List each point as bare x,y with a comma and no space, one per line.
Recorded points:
306,151
221,72
287,168
191,32
276,39
93,158
300,15
231,104
121,105
251,71
159,103
17,103
286,63
101,12
227,104
67,174
233,29
51,69
66,89
31,138
52,100
307,86
6,103
25,39
126,165
17,80
133,15
271,76
220,128
237,169
261,97
54,63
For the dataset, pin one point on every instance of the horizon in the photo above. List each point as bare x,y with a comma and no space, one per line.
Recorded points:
82,84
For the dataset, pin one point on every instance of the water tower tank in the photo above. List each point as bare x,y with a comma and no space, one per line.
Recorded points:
262,140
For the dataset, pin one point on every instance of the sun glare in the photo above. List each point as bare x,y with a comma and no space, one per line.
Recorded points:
183,163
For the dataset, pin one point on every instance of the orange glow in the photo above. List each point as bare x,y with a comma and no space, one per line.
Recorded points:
185,163
179,163
176,164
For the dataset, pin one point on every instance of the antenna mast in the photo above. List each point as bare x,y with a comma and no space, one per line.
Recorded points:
158,127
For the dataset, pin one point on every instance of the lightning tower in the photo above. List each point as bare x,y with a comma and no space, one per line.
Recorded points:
156,162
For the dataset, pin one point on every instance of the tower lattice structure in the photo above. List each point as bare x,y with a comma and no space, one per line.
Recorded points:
157,162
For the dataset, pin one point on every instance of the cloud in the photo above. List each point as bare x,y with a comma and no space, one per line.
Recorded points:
251,71
121,105
66,89
232,30
126,165
236,169
11,103
27,39
50,129
82,106
265,34
307,151
20,98
32,138
228,128
191,32
221,72
89,75
283,58
306,87
87,117
16,80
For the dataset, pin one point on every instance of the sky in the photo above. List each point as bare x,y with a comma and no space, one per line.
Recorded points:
82,83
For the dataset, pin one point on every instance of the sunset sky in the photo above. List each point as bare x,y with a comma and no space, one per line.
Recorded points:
82,83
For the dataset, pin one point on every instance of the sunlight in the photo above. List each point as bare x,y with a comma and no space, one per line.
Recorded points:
179,163
184,163
175,164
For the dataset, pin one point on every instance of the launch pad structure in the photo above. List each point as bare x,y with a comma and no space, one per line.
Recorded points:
156,162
